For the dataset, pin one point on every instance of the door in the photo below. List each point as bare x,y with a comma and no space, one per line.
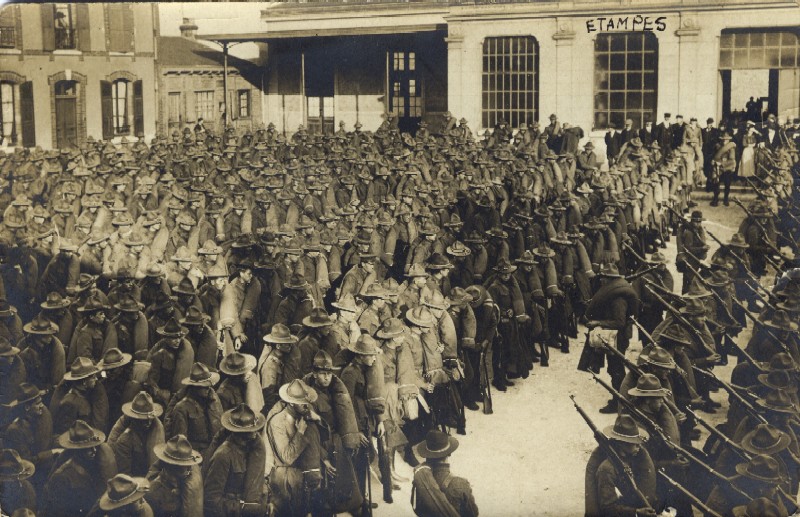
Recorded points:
175,118
405,90
66,114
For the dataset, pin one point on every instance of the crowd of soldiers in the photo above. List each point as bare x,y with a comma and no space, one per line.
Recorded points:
244,323
654,458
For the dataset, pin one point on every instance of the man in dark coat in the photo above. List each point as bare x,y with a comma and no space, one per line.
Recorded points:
609,309
80,397
74,487
436,449
177,482
197,413
234,481
133,447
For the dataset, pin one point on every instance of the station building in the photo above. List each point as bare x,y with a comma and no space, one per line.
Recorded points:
594,63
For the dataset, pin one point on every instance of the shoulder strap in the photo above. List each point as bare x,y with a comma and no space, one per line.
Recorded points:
446,482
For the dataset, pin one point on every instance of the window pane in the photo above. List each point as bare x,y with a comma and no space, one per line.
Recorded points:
634,81
617,100
788,57
788,39
617,81
617,43
757,39
634,61
725,59
771,39
726,41
508,79
618,61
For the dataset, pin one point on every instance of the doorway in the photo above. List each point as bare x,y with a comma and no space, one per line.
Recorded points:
405,90
66,94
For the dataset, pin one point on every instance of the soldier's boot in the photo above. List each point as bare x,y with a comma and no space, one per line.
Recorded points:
565,345
545,360
409,456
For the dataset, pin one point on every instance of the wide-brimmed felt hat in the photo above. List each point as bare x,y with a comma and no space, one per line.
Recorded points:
765,439
194,316
737,241
297,281
693,307
648,385
696,290
81,436
420,316
762,468
625,430
780,319
779,361
364,345
114,358
457,249
436,300
778,401
128,304
201,375
237,363
656,258
55,301
416,270
280,334
318,317
346,303
759,507
26,392
697,216
436,445
779,380
322,362
13,467
675,334
178,451
6,349
437,262
81,368
93,304
297,392
391,327
503,266
172,329
6,309
41,325
123,490
475,238
609,271
458,297
544,251
142,407
658,357
185,286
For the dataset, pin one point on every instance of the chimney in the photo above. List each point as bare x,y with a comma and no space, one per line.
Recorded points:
188,28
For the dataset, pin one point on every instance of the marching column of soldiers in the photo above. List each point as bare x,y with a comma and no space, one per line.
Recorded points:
654,459
249,324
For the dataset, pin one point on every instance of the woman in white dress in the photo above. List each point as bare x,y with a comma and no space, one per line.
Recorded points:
747,164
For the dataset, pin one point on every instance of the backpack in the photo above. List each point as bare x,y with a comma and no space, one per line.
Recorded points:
427,497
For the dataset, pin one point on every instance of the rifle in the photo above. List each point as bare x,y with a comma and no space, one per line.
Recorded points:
739,260
655,429
735,394
619,466
713,292
700,504
735,447
487,390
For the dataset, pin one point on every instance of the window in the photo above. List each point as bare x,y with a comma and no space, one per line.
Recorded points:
406,91
120,96
625,79
204,105
8,29
64,27
243,103
8,113
747,49
510,80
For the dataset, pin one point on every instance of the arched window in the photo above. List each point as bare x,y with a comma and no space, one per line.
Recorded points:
625,79
510,80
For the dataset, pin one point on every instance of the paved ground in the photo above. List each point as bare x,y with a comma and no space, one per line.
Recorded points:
528,458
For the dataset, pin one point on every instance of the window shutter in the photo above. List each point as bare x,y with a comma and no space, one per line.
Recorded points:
82,27
28,121
138,109
127,28
48,27
107,109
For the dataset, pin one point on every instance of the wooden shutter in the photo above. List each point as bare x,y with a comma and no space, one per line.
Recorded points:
127,28
28,120
82,27
138,109
48,27
120,27
107,110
